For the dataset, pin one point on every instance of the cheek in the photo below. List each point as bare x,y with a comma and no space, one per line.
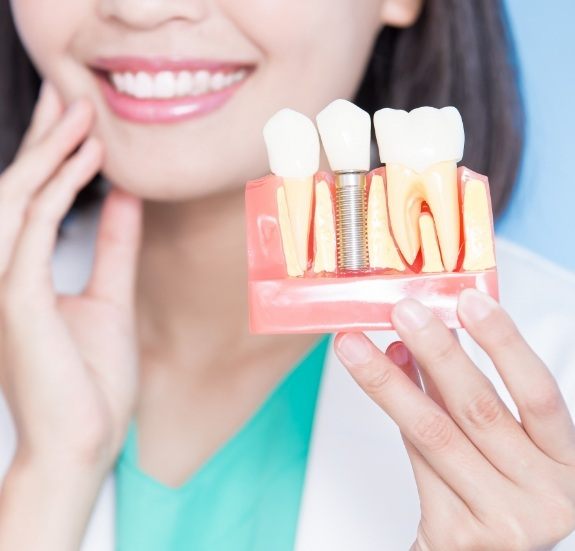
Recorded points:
47,28
42,27
314,51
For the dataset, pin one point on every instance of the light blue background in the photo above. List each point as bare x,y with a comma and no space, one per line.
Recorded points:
541,215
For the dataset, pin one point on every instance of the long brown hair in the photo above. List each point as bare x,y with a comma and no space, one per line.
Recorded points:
457,53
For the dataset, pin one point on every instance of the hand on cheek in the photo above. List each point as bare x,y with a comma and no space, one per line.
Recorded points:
485,481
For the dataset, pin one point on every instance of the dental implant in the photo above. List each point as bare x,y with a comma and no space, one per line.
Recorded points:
345,132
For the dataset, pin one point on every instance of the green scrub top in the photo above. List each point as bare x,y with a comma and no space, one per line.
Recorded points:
246,497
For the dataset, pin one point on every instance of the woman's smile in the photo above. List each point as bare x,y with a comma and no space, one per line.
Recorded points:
163,90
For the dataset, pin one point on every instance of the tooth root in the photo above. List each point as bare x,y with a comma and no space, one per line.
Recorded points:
429,245
404,196
442,196
477,229
437,186
293,267
382,250
324,230
299,195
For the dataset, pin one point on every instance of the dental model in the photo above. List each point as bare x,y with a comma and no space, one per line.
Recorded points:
418,227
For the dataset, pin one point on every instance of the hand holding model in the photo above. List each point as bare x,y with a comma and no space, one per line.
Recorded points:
485,480
68,363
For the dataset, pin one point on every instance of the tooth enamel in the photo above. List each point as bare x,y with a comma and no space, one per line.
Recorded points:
143,85
345,132
217,81
420,138
382,250
184,83
201,82
421,150
479,250
292,144
130,83
429,245
324,230
119,82
293,149
165,85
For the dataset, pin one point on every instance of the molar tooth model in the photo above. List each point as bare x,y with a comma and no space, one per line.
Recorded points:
330,252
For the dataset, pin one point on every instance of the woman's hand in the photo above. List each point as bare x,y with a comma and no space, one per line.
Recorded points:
68,364
485,481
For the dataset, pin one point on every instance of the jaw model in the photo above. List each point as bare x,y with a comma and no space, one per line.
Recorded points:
429,227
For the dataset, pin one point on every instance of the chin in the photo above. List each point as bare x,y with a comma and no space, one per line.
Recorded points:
152,179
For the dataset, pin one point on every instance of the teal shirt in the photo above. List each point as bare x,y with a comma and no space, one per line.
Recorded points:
246,497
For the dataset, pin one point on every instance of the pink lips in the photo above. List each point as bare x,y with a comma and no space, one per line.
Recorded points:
159,111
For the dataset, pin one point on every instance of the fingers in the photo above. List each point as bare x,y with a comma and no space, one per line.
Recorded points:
46,113
30,268
437,437
430,487
117,247
541,406
468,395
33,169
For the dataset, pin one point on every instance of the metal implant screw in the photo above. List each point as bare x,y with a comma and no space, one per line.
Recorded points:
351,221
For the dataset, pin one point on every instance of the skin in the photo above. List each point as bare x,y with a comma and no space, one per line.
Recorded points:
177,347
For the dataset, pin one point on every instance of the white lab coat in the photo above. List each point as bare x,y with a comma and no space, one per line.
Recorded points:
359,491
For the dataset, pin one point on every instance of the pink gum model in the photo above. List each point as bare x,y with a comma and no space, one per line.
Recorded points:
330,302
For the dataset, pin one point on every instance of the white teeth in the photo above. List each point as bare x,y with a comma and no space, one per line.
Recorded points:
217,82
143,85
130,83
201,83
345,132
293,144
168,84
165,85
184,83
119,82
420,138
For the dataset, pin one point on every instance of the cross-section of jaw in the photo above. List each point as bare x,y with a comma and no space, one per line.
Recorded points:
421,150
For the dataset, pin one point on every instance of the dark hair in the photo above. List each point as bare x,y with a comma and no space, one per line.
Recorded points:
457,53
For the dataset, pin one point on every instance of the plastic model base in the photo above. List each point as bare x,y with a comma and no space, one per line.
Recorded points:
331,302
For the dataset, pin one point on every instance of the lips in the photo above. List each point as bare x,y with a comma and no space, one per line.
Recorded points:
155,90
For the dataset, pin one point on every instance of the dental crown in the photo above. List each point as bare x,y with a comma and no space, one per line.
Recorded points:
420,138
345,131
293,144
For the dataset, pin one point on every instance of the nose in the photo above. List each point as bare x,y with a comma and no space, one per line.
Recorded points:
148,14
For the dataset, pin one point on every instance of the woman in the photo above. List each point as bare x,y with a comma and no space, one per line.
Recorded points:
218,449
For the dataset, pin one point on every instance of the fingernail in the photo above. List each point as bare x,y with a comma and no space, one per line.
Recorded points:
475,305
411,314
398,354
355,348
